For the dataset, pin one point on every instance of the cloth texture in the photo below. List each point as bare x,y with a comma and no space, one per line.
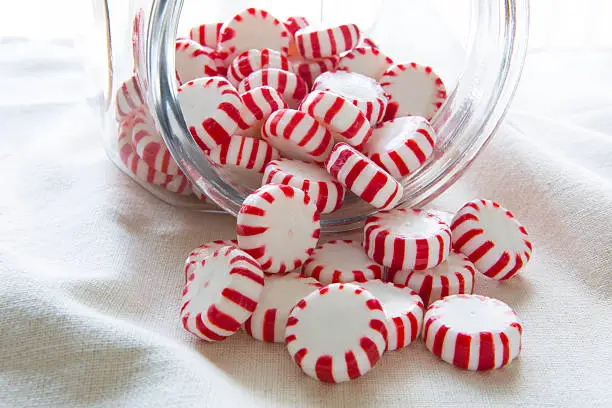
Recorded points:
91,265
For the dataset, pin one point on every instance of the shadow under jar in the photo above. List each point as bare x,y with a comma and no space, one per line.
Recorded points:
476,46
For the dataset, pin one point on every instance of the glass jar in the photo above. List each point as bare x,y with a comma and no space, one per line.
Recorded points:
477,47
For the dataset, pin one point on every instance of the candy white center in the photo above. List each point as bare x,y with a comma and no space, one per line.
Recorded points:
334,323
473,315
395,301
291,226
500,228
351,85
303,170
410,224
209,281
343,257
198,103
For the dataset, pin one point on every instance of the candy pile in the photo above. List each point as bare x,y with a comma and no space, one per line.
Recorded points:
318,108
311,112
338,306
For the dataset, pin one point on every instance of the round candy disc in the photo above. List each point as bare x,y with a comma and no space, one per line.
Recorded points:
280,294
407,239
253,28
221,293
472,332
259,102
362,91
327,193
452,277
298,135
345,120
402,145
367,61
212,110
336,333
291,86
279,226
341,261
313,42
193,60
364,178
413,90
492,238
403,308
202,252
250,61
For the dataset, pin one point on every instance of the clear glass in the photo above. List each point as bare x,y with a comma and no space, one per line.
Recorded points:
477,46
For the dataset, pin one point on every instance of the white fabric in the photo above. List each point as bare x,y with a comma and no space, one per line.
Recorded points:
91,264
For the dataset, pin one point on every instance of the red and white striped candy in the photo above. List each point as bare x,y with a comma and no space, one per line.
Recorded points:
206,34
193,60
362,91
364,178
279,243
245,153
327,193
259,102
292,87
473,332
402,145
250,61
345,120
128,98
404,310
492,238
407,239
367,61
337,333
202,252
279,296
253,28
212,109
309,70
221,293
413,90
454,276
150,146
341,261
313,42
142,171
295,23
298,135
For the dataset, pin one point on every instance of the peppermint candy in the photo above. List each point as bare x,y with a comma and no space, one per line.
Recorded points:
221,293
492,238
349,315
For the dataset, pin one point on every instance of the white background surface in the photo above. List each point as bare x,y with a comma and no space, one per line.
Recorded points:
90,264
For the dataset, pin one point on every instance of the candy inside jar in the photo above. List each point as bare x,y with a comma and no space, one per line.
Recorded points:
353,77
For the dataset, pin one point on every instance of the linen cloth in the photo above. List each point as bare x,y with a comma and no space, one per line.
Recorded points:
91,264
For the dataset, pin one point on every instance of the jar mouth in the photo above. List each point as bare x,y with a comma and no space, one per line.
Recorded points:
465,123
